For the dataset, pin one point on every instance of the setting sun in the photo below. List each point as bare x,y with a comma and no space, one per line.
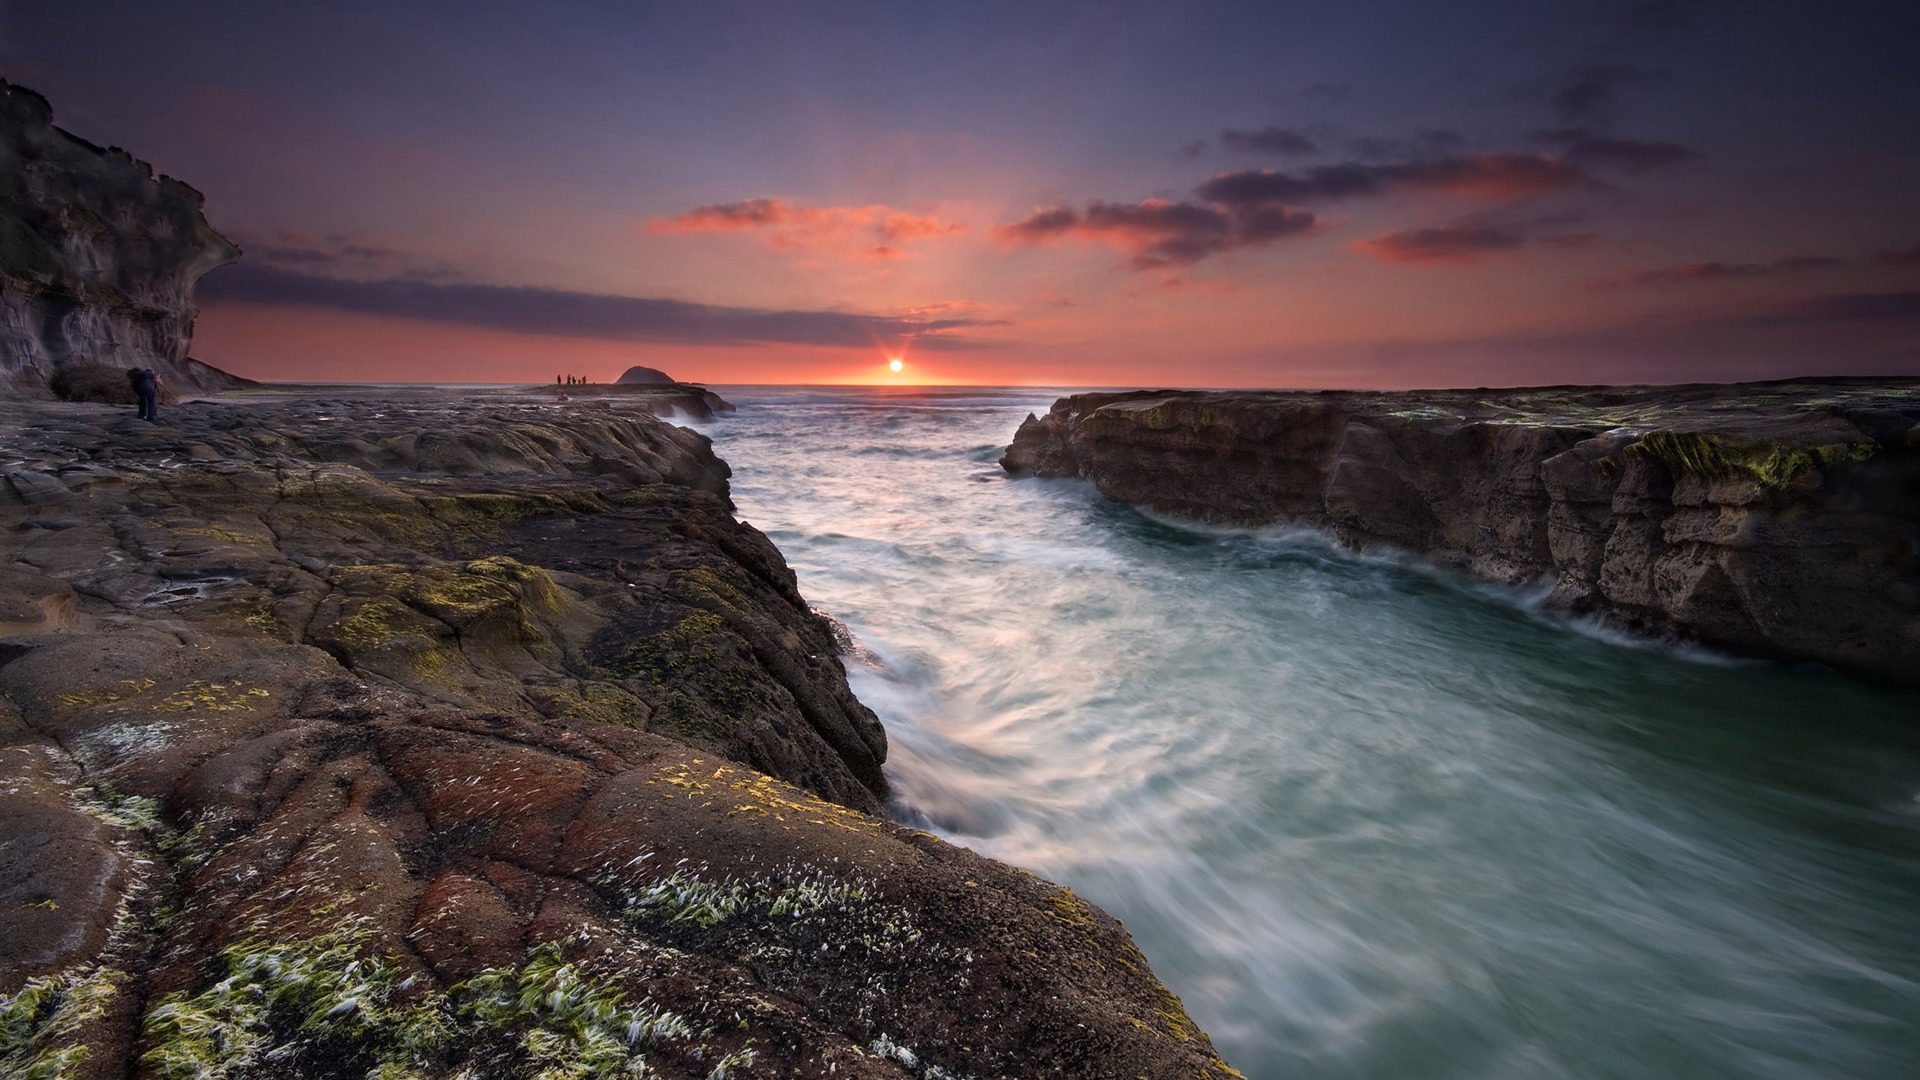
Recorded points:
896,364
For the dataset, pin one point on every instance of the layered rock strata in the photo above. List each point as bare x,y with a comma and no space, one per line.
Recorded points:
1777,519
475,738
98,259
665,398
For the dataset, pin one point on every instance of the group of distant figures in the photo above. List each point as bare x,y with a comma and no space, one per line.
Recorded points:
146,390
570,380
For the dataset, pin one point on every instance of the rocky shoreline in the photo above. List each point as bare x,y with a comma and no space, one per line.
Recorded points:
1778,520
438,733
668,400
404,732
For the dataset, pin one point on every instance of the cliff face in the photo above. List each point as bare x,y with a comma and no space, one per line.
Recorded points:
98,260
1778,519
475,738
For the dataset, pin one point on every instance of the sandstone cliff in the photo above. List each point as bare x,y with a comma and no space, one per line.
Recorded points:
98,259
435,737
1778,519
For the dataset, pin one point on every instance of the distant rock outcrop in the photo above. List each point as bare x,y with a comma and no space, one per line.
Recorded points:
644,376
1775,519
98,259
668,400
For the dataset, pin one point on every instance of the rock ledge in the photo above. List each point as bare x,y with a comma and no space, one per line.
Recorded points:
1773,519
349,737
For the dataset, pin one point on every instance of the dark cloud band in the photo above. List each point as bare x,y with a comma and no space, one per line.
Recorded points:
1160,233
529,310
1267,140
1499,177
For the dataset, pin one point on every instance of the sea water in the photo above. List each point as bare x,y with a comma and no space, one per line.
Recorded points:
1367,819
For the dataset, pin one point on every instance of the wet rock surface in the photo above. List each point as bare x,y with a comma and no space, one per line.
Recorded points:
663,397
1773,519
428,735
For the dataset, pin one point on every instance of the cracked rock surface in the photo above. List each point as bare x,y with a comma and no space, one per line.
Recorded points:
445,737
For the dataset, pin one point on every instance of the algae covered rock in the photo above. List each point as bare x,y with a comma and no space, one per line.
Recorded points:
499,751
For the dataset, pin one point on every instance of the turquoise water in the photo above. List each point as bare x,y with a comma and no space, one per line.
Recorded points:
1366,818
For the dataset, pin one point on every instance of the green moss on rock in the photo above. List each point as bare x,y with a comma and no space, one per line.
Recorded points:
41,1023
330,1003
1770,463
663,657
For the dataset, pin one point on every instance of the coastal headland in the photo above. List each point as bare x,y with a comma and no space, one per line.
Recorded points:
430,733
441,733
1774,519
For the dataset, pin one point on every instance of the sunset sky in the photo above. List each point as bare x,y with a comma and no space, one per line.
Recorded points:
1370,193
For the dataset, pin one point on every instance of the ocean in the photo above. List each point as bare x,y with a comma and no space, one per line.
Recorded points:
1367,818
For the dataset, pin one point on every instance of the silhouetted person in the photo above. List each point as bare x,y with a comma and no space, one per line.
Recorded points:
146,390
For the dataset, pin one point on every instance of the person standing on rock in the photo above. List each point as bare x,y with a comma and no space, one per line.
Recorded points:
146,391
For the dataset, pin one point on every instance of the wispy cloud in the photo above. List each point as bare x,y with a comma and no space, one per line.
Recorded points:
1881,307
874,231
532,310
1587,147
1267,140
1720,271
1457,244
1586,94
1425,143
1906,256
338,255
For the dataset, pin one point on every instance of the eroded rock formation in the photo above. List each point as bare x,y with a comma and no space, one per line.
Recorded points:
346,735
98,259
1778,519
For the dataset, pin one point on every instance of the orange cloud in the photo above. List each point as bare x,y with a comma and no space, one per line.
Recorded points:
873,232
1458,244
